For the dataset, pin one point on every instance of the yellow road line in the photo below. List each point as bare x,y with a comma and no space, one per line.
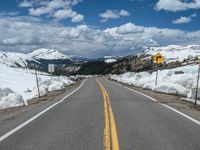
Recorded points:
110,125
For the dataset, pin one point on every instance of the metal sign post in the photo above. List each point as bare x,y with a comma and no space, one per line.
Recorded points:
197,87
156,77
38,88
158,58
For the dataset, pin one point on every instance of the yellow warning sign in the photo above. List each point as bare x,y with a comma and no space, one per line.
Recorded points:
158,58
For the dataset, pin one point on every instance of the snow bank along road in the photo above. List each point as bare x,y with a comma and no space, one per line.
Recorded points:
103,115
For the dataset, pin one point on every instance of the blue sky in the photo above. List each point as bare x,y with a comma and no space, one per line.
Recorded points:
97,27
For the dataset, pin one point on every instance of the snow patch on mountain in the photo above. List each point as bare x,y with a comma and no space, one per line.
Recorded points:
13,59
110,59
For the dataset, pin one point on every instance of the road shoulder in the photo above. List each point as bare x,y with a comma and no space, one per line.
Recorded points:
173,101
11,117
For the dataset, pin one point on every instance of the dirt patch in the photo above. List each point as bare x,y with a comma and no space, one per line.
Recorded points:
171,100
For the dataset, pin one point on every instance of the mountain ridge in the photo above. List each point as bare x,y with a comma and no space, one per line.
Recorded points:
15,59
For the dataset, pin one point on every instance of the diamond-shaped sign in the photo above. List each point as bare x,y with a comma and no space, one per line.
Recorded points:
158,58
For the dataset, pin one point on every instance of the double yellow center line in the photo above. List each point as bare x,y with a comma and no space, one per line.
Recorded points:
110,131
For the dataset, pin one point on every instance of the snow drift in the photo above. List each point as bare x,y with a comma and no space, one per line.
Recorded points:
17,86
180,81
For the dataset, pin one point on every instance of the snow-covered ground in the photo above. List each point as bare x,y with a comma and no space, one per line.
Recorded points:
174,53
180,81
17,86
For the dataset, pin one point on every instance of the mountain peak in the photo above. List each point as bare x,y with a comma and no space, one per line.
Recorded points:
48,54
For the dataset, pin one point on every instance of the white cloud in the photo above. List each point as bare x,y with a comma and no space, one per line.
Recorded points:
113,14
27,34
78,18
39,11
182,20
59,9
64,13
26,3
129,28
124,13
177,5
68,13
12,13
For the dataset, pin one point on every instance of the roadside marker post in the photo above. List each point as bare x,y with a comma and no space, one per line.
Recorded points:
158,59
38,88
197,87
51,69
156,76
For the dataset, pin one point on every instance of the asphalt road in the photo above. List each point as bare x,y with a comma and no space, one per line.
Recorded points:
95,116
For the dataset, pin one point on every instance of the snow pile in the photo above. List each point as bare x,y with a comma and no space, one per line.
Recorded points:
76,77
17,86
180,81
174,53
8,98
49,85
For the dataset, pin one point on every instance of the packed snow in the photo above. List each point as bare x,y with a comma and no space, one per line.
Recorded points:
17,86
174,53
180,81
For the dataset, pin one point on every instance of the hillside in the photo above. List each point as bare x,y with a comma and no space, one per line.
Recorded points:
39,58
175,56
173,53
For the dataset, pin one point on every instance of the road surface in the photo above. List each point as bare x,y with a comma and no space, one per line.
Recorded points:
103,115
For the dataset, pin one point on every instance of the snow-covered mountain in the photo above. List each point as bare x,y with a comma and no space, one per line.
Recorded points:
47,54
13,59
174,53
38,56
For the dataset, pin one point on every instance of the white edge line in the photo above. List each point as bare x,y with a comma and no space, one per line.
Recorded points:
3,137
169,107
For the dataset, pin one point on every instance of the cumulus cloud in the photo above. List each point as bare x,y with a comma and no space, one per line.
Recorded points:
68,13
26,3
177,5
58,9
25,36
113,14
183,19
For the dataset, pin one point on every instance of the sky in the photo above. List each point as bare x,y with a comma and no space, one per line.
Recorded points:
95,28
